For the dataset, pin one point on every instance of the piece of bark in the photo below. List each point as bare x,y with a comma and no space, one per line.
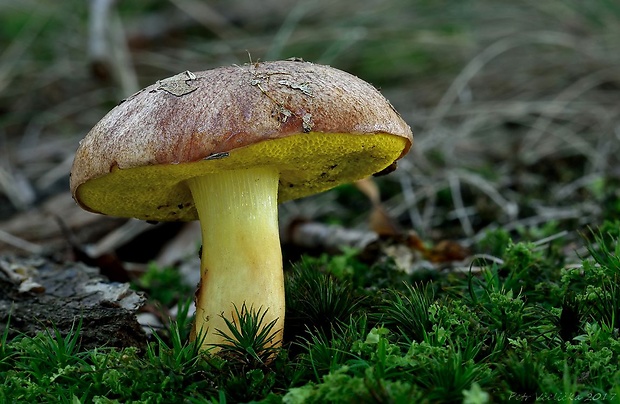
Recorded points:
37,295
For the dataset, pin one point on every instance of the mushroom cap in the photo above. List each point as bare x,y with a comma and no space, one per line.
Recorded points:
319,126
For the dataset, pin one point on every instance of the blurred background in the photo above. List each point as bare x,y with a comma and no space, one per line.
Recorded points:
515,108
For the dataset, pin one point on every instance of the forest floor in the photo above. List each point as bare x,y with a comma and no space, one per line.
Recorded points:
507,204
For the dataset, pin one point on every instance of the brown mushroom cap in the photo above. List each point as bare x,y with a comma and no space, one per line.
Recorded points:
319,126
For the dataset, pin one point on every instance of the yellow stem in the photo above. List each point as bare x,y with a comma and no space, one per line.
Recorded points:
241,252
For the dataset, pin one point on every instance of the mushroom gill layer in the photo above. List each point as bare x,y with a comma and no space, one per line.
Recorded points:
307,163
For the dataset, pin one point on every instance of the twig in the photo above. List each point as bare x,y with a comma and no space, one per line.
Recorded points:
12,54
209,18
107,46
283,35
17,188
544,241
118,237
461,213
483,58
60,170
562,101
22,244
123,65
314,235
98,44
510,208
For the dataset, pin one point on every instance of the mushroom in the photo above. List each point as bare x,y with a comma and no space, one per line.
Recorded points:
225,146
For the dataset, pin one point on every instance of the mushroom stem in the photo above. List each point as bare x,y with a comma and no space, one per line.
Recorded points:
241,253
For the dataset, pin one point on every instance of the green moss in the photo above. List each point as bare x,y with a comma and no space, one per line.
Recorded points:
478,337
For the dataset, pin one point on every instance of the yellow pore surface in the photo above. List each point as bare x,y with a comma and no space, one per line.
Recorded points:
308,163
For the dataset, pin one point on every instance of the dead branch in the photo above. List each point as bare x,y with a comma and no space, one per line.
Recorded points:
107,46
